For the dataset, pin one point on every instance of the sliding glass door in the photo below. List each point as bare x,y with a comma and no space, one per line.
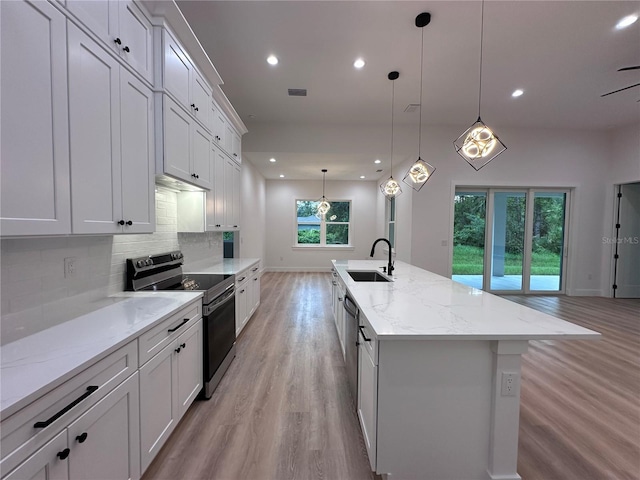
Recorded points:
525,231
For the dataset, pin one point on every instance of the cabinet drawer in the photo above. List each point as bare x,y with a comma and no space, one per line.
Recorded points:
369,340
56,409
153,341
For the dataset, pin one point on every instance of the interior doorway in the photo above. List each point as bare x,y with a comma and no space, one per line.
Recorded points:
626,239
525,234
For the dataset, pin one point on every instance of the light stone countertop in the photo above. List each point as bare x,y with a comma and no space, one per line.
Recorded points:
420,305
228,266
38,363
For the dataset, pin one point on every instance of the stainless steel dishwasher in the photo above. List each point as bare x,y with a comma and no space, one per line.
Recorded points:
351,321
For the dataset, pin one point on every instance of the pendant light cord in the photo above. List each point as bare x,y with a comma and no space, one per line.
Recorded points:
481,43
421,70
324,175
393,94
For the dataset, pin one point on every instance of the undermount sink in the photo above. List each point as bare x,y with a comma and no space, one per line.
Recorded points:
367,276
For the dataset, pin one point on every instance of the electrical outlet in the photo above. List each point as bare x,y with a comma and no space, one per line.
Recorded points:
69,267
509,384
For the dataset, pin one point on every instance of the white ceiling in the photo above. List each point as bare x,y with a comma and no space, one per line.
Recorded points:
564,55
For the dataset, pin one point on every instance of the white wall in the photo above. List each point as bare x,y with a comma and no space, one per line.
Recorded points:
35,294
281,255
625,155
253,216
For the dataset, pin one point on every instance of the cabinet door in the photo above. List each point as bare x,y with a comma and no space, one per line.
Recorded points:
137,134
158,403
201,148
177,70
45,463
368,401
189,360
136,34
100,16
105,441
215,198
237,174
229,172
236,147
94,131
177,141
200,99
34,143
227,141
255,293
241,307
219,127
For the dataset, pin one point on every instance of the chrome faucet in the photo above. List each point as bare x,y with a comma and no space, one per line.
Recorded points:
373,247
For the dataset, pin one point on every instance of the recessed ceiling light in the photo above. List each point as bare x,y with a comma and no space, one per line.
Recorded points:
272,160
376,161
362,176
281,176
272,60
359,63
626,21
517,93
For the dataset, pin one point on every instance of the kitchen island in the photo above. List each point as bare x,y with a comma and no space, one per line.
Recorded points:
439,370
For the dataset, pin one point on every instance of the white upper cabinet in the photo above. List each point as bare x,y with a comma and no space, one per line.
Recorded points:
123,27
186,147
236,147
184,83
35,195
177,70
110,123
218,125
200,99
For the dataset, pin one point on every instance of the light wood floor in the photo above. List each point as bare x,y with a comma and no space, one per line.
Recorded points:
283,410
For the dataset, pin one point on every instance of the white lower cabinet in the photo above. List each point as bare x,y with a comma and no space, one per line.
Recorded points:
105,441
368,398
46,463
247,295
169,383
253,300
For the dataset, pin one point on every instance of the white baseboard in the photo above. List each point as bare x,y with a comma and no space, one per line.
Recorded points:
585,292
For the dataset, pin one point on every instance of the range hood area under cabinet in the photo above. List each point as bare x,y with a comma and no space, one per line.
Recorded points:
216,210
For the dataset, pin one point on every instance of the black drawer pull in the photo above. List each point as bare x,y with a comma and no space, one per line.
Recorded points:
364,337
46,423
241,279
63,454
81,438
126,49
171,330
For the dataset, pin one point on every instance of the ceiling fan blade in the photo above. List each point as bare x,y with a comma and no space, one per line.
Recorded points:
621,89
624,69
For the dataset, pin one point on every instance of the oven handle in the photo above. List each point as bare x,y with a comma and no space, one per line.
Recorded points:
220,301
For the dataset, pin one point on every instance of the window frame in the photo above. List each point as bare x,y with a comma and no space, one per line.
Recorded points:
323,228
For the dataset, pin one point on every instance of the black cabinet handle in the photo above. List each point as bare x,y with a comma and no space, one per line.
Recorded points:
171,330
218,225
242,291
180,347
129,222
118,41
81,438
235,226
235,154
197,109
241,279
177,350
364,337
254,269
183,345
63,454
121,222
46,423
126,49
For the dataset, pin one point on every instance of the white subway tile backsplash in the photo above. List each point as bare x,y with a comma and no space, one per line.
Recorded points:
35,293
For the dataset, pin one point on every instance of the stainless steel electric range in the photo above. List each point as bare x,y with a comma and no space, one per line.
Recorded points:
164,272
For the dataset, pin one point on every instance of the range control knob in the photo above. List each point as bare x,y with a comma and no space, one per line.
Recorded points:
140,263
149,261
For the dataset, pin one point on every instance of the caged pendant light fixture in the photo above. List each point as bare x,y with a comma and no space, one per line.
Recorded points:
391,188
421,171
324,205
478,145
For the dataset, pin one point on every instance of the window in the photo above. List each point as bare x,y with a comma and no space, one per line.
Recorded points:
391,221
333,228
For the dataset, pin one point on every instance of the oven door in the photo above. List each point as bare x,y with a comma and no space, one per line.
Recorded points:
219,320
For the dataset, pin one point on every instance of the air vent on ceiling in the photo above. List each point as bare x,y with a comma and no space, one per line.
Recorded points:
297,92
412,107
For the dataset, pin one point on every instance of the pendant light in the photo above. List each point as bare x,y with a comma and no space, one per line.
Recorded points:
478,145
391,188
324,205
420,172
